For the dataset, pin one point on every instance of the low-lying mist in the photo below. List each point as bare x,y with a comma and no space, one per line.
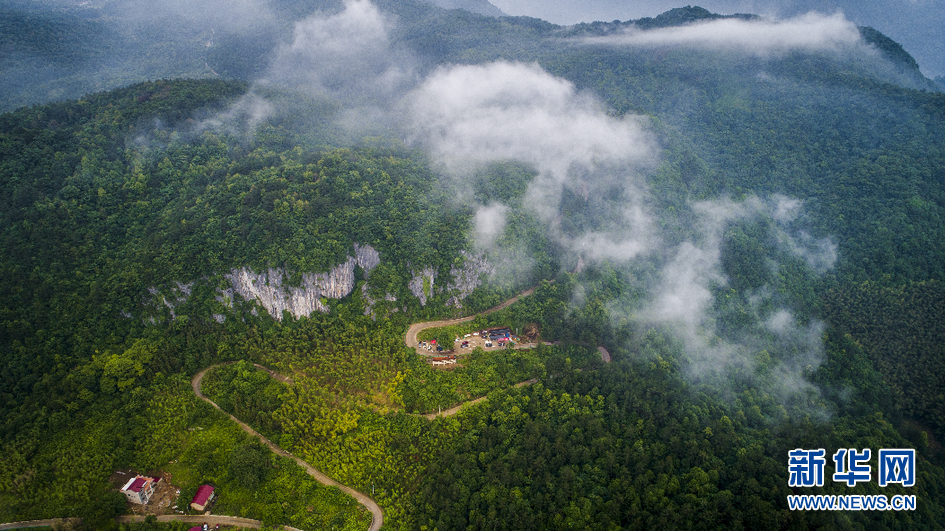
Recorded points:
587,182
830,36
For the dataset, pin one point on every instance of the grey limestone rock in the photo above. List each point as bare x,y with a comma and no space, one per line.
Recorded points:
269,288
468,277
425,278
177,296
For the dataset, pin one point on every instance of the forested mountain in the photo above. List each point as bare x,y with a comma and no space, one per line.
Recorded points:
59,49
482,7
747,215
917,25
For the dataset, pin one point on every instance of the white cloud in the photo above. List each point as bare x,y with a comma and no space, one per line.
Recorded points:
241,118
780,322
346,56
338,70
501,111
820,254
470,116
683,301
488,223
683,297
809,32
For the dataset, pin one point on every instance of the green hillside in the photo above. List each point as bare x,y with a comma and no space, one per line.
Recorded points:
762,259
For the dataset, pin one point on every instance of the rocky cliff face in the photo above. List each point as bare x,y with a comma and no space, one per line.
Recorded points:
468,277
176,296
366,257
421,285
269,288
465,279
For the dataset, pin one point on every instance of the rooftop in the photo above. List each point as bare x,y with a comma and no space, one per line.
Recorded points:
203,495
137,483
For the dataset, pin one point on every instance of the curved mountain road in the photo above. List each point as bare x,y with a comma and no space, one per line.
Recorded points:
376,512
455,409
213,519
412,341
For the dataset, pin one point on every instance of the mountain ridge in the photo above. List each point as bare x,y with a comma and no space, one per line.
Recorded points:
482,7
68,52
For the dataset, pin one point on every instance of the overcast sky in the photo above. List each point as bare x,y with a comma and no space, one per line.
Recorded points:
919,25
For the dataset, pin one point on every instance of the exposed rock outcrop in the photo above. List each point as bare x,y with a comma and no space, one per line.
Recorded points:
273,292
270,289
468,277
176,296
366,257
370,302
421,285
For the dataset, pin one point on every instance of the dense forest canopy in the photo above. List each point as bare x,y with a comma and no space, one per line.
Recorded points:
752,229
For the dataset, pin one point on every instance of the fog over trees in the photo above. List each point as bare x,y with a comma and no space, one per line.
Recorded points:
745,211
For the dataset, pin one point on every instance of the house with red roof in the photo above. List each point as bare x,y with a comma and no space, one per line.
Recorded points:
203,498
139,489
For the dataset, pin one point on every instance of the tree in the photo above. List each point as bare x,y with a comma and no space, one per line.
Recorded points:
249,464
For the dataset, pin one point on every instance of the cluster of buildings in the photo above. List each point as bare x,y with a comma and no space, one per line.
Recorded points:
500,336
140,490
492,337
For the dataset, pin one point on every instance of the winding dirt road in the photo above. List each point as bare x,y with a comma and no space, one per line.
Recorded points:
245,523
211,519
455,409
376,512
412,341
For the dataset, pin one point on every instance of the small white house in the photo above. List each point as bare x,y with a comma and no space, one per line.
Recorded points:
139,489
